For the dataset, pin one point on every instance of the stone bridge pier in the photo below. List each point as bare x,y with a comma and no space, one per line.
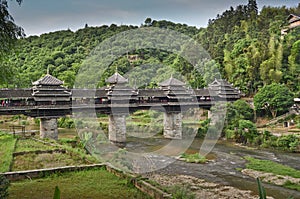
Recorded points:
173,125
48,128
117,129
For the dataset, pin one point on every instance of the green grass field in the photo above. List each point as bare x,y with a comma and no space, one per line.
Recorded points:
84,184
7,144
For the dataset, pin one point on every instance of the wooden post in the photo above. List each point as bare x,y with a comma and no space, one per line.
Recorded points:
14,131
23,130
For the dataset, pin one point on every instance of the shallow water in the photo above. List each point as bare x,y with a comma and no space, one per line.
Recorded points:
225,159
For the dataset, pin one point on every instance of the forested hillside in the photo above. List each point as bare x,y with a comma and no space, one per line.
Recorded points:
246,45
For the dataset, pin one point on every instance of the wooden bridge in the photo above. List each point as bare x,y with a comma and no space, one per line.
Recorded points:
48,100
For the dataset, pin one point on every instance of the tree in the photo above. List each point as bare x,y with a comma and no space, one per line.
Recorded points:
274,98
237,111
9,31
148,22
246,132
252,9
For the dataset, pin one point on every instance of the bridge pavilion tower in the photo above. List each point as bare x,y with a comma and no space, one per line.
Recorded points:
119,97
49,93
176,95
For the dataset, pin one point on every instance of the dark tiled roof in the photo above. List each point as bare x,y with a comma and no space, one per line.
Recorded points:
116,78
291,16
172,82
48,80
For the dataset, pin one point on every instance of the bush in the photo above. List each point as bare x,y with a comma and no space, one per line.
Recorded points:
288,142
180,192
4,183
202,130
246,132
65,122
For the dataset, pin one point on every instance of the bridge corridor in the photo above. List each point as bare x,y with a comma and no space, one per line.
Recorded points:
49,100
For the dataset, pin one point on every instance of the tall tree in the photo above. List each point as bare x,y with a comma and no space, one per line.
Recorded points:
9,31
274,98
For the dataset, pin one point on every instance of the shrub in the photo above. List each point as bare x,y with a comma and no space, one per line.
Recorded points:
66,122
202,130
4,183
180,192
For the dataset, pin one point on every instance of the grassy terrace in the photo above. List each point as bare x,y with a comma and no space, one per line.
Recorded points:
32,145
94,183
84,184
7,144
73,156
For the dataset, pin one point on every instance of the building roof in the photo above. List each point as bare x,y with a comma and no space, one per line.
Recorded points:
293,18
172,82
116,79
48,80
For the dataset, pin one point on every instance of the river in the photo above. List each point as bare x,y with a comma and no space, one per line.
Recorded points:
223,169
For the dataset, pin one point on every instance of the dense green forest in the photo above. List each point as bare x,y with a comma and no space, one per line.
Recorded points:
245,45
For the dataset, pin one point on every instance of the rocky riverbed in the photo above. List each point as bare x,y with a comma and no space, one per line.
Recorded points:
201,188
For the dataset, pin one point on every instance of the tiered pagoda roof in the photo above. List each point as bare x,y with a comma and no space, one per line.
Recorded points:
118,91
49,88
223,89
175,89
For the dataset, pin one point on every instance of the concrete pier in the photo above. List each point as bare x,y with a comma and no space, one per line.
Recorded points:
48,128
117,129
173,125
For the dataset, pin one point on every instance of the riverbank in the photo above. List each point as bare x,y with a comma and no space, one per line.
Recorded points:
226,169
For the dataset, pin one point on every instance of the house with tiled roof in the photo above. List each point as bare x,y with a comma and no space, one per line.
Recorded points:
294,21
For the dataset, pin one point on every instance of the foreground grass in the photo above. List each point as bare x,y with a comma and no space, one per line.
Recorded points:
271,167
7,144
84,184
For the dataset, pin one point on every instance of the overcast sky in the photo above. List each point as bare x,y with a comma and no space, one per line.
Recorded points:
42,16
